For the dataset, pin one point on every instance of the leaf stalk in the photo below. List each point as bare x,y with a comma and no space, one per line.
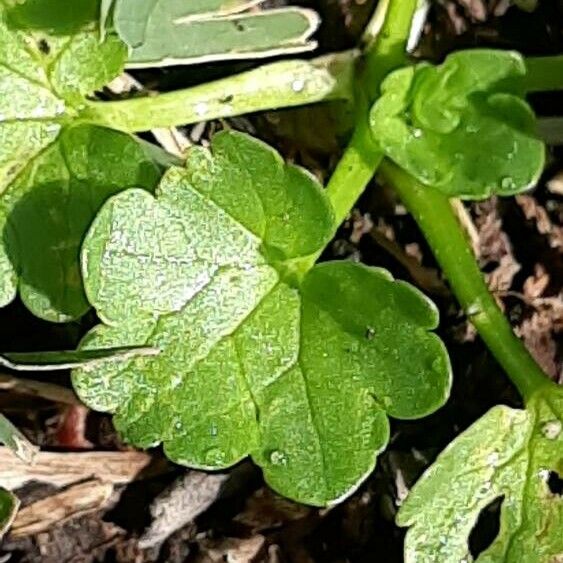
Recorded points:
278,85
362,156
441,228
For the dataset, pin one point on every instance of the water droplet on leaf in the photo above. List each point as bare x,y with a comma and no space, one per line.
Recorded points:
278,457
551,429
214,456
493,459
507,183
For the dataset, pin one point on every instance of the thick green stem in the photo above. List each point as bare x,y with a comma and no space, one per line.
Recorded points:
389,50
544,73
443,232
362,156
274,86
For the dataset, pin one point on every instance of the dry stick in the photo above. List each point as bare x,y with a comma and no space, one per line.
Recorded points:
62,469
77,500
42,389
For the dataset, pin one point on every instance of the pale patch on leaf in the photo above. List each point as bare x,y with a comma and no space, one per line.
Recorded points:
300,376
169,32
507,454
462,127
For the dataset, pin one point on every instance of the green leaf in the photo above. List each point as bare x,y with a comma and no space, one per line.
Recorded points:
299,377
16,441
54,176
9,505
69,359
47,209
59,17
508,454
106,7
462,127
168,32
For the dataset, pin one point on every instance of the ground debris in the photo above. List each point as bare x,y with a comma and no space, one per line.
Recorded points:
232,550
62,469
77,500
180,504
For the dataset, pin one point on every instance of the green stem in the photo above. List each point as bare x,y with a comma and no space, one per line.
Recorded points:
277,85
362,156
389,50
443,232
544,73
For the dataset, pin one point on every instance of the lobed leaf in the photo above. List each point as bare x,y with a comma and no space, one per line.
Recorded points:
167,32
301,377
508,454
55,175
462,127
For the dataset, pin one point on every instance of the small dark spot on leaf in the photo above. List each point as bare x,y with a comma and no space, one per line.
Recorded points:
226,99
239,26
555,483
44,46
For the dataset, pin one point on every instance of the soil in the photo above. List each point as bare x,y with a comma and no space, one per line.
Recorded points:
169,514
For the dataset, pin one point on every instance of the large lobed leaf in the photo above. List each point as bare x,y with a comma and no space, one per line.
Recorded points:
166,32
55,175
300,376
508,454
463,126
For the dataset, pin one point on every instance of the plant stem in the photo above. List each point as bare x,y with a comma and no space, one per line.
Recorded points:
544,73
274,86
443,232
362,156
389,50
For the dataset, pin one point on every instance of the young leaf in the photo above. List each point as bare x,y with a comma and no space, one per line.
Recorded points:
9,505
54,176
168,32
300,377
462,127
508,454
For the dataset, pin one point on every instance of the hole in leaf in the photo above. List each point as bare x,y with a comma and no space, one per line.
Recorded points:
486,528
555,483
